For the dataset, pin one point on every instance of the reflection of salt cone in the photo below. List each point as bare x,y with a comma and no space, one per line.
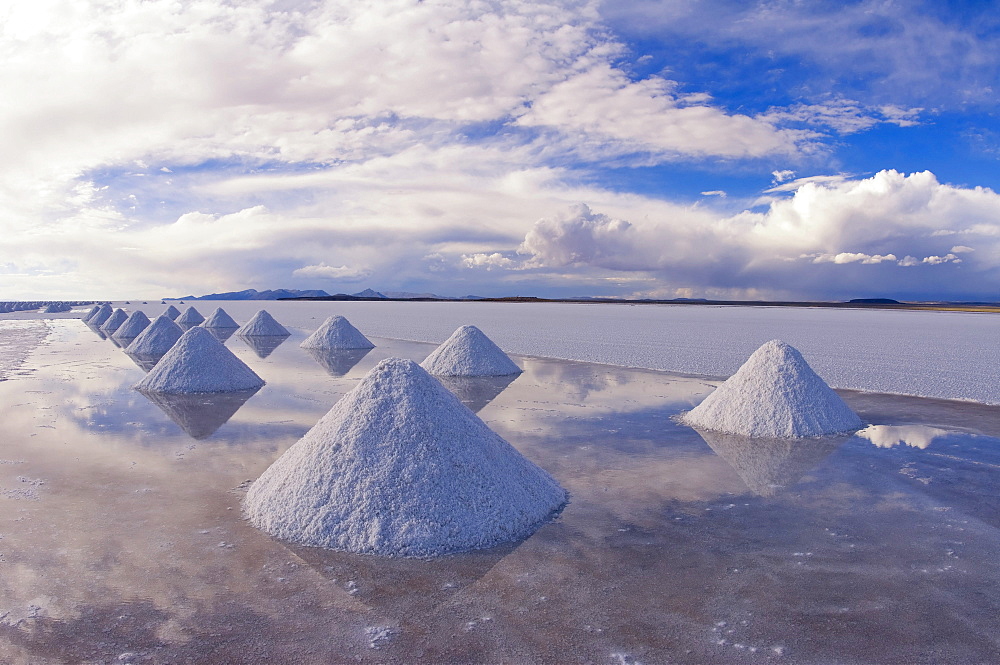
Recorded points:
96,330
146,362
221,334
768,465
200,414
402,588
263,346
476,391
338,362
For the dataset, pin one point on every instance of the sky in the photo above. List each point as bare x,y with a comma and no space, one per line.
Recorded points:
645,149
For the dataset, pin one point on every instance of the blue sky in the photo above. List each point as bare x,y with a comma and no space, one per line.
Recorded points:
653,148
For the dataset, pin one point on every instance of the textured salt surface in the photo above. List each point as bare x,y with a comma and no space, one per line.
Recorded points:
114,321
171,313
337,333
199,363
469,352
399,467
17,339
262,325
774,394
102,315
136,322
190,317
219,319
156,339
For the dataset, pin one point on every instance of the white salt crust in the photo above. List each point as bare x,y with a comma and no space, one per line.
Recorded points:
774,394
102,315
199,363
262,325
399,467
171,313
156,339
219,319
113,322
337,333
469,352
190,317
136,322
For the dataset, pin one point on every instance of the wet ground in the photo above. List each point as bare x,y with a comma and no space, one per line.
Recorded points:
121,538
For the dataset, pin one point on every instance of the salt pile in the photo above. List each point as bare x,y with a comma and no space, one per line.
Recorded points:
398,467
774,394
190,317
113,322
100,316
469,352
156,339
219,319
262,325
172,313
337,333
136,322
90,313
199,363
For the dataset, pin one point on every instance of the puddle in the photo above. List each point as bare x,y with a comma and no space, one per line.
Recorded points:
121,537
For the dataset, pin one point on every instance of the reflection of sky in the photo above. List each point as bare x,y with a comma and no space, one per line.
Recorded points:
888,436
134,540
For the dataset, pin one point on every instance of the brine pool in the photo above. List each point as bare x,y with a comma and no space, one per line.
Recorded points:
122,540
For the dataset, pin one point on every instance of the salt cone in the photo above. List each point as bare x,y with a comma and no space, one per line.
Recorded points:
337,333
774,394
399,467
469,352
199,363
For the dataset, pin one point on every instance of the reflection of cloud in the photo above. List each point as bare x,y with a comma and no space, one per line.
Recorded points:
263,346
769,464
222,334
338,362
476,391
200,414
889,436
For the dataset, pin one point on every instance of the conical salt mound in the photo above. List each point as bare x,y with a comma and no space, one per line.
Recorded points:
90,313
172,313
190,317
136,322
774,394
100,316
112,323
219,319
469,352
199,363
398,467
262,325
337,333
156,339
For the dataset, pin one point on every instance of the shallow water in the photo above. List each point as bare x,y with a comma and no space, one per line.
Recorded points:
121,538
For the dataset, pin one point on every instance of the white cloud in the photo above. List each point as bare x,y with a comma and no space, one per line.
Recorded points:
782,176
853,257
337,273
487,261
961,249
715,192
844,116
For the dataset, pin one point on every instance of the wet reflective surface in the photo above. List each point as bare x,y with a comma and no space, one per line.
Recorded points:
121,538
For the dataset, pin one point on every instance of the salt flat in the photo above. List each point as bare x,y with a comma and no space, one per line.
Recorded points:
950,355
122,538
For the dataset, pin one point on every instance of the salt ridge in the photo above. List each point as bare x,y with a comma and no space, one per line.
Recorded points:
171,313
337,333
262,325
102,315
190,317
774,394
399,467
199,363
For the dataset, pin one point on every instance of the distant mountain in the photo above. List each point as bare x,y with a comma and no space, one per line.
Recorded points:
254,294
368,293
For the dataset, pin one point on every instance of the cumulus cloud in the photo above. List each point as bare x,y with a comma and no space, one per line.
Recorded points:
336,273
851,227
487,261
